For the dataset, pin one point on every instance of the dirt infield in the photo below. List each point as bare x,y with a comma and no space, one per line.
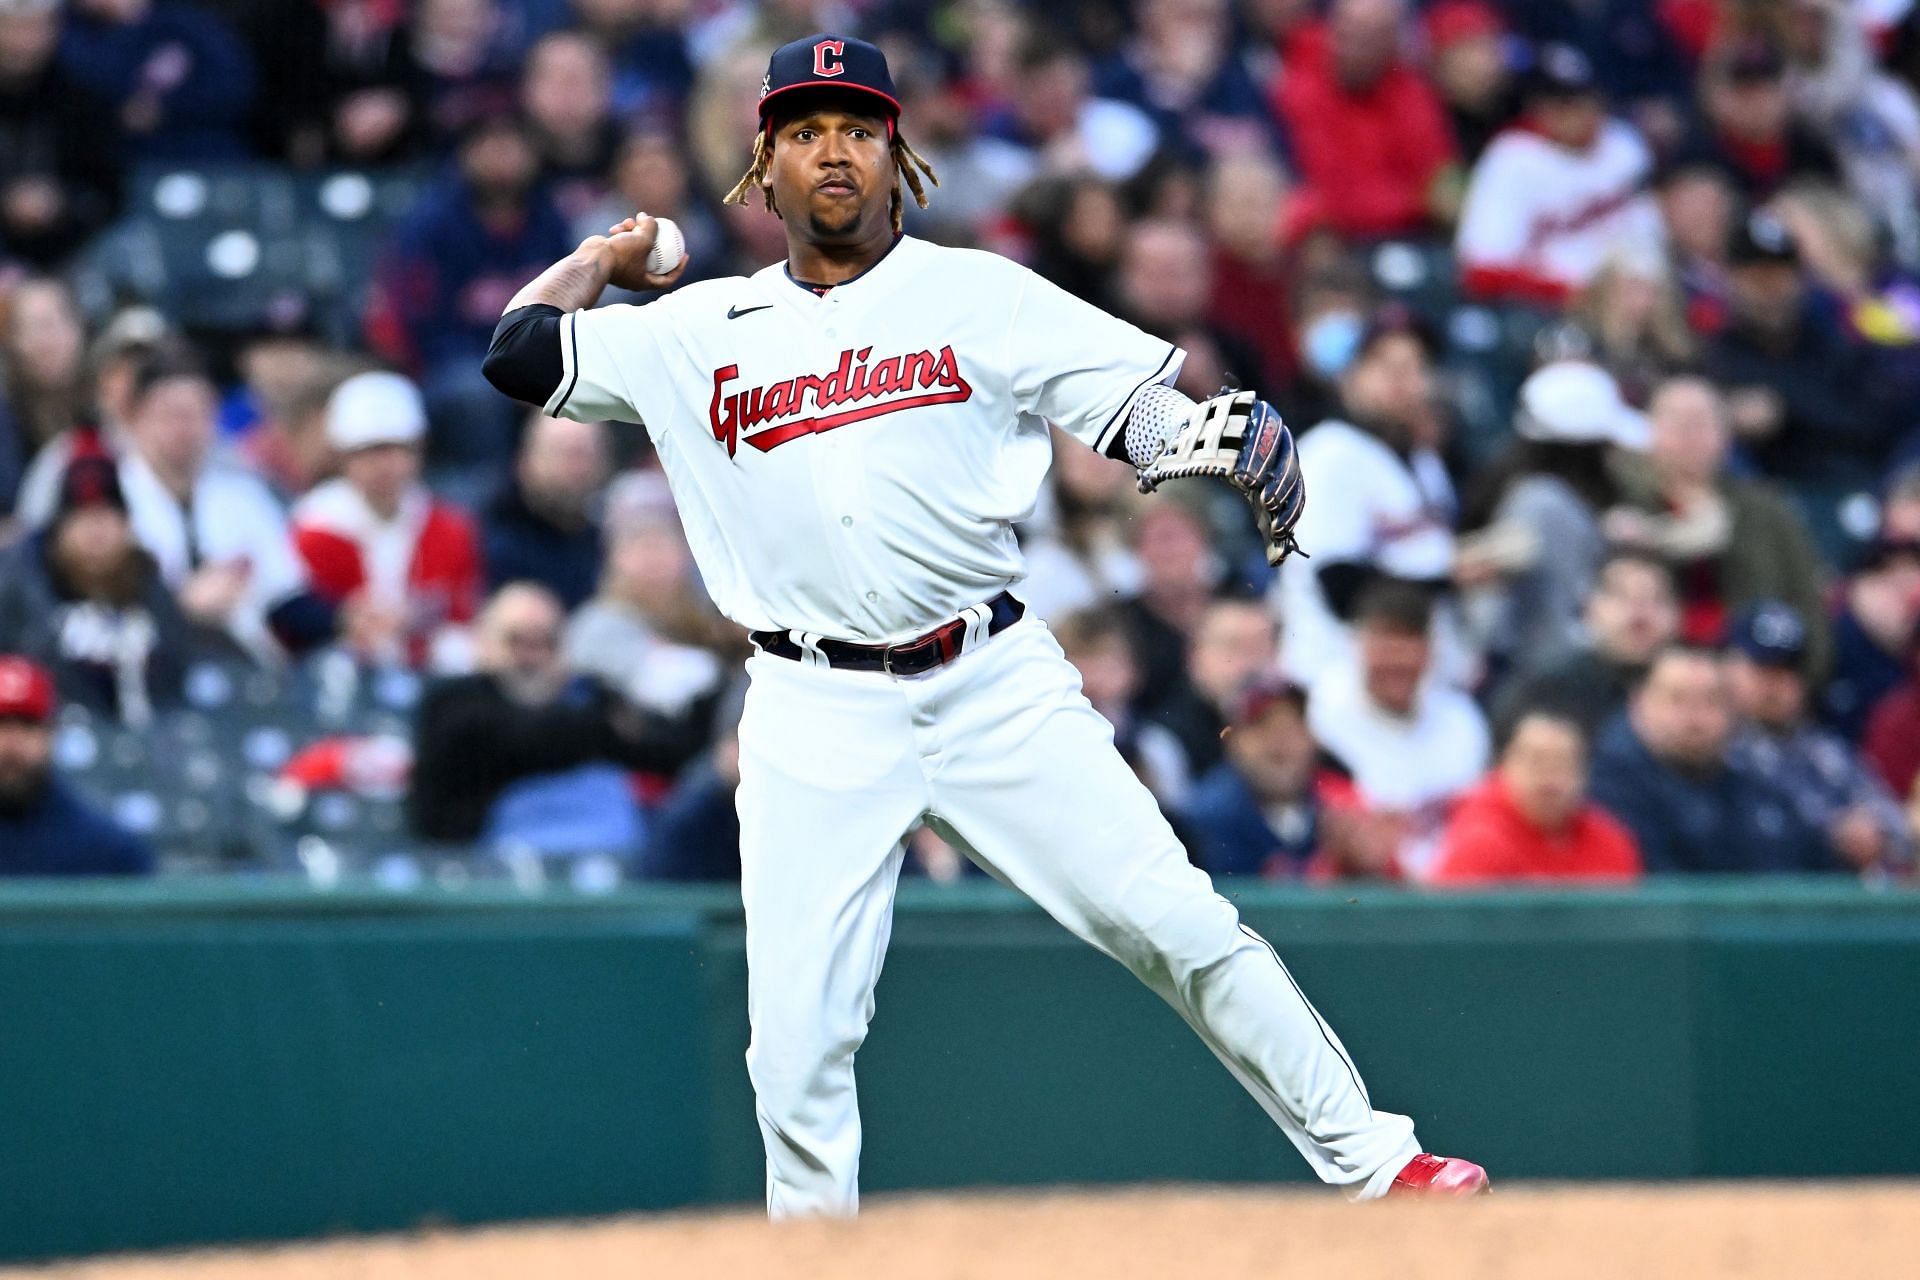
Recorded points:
1534,1232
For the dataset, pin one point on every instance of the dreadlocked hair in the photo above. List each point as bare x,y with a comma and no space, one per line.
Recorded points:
907,162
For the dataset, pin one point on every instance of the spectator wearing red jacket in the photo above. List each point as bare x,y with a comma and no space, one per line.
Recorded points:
1531,819
376,533
1368,133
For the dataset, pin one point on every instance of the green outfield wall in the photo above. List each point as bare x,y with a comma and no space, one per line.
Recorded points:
208,1061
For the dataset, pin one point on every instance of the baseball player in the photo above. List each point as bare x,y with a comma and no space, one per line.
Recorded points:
850,436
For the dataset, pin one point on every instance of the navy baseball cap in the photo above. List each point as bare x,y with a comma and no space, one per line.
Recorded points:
826,61
1762,238
1770,633
1562,71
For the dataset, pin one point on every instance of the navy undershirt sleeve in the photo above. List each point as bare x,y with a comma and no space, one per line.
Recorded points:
524,360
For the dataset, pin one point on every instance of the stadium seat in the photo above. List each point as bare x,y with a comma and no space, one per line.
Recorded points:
228,248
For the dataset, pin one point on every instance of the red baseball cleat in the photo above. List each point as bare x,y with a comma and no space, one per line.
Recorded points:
1427,1175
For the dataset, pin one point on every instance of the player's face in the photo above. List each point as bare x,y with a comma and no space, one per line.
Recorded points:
832,173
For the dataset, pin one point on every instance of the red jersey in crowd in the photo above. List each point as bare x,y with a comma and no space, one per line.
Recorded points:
425,561
1892,741
1489,839
1369,157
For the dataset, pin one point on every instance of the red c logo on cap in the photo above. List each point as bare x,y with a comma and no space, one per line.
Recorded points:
827,57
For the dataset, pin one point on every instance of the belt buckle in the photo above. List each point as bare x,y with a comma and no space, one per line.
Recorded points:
886,661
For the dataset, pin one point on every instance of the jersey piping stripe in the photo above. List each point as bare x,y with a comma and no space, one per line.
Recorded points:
1105,438
571,353
1353,1072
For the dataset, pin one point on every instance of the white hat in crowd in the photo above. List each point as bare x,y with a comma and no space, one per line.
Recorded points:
375,408
1575,402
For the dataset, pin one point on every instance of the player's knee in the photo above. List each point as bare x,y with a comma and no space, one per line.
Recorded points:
791,1074
1196,933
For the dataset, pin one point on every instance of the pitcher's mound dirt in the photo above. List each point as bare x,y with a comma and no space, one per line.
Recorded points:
1523,1232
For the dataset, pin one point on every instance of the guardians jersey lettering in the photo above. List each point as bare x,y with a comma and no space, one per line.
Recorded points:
850,460
896,383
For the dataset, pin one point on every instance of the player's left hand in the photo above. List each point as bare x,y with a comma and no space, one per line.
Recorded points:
1240,438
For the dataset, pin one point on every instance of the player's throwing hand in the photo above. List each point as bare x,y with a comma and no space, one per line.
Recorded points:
629,243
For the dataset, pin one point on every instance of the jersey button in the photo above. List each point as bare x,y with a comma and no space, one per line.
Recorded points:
847,521
873,597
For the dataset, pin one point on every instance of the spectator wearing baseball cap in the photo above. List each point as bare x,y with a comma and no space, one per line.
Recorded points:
1829,782
1800,392
1639,52
374,535
83,599
1259,811
1555,196
1535,515
1747,124
45,830
1879,612
1531,819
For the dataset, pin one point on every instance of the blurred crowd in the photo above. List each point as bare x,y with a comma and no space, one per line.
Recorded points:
1598,321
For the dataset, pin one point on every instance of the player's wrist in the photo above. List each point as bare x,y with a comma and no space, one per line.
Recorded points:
596,254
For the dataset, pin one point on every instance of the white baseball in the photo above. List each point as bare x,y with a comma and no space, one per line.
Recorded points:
669,247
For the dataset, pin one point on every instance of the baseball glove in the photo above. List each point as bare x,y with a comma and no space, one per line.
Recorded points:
1240,438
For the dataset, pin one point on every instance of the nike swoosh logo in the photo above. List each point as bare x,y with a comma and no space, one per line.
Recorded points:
734,313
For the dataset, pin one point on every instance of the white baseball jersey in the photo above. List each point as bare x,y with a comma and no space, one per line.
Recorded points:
852,463
1558,213
1367,505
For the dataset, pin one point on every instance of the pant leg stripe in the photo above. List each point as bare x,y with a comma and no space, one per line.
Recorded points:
1353,1072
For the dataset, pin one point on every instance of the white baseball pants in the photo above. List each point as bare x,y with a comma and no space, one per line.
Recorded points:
1003,754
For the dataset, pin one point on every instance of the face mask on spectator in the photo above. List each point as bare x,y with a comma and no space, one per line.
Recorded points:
1329,343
